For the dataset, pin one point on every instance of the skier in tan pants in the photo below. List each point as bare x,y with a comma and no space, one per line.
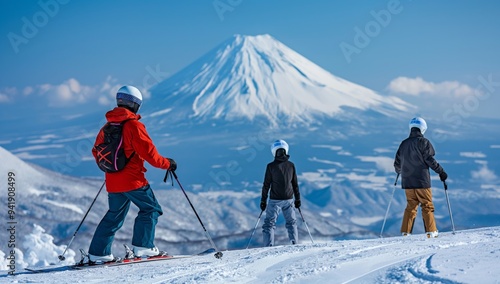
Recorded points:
413,159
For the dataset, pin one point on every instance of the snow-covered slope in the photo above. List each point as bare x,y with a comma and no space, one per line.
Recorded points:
247,77
470,256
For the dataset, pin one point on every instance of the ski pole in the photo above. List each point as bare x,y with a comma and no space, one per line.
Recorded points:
388,206
255,228
62,257
218,254
303,220
449,208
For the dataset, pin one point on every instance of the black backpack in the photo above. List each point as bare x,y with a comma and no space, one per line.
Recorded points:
110,154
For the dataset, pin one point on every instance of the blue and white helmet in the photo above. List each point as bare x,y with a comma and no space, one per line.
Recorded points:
419,123
279,144
130,97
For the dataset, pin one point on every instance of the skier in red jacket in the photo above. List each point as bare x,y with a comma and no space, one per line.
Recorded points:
130,184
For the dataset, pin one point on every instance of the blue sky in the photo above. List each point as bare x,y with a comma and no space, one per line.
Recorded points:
415,49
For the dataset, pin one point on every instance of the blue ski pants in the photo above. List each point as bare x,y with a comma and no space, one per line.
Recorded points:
144,226
272,211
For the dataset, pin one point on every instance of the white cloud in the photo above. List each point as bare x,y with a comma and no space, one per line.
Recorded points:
104,100
6,94
367,181
29,156
321,180
383,150
484,173
3,98
385,164
28,91
68,93
10,91
418,86
37,147
334,148
331,147
449,101
472,154
314,159
108,91
344,153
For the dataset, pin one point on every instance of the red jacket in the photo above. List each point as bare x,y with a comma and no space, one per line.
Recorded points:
135,139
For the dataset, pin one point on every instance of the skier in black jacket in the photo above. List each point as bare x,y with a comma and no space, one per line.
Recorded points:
413,159
281,178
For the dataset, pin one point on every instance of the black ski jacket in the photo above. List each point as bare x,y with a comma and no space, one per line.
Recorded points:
281,178
414,158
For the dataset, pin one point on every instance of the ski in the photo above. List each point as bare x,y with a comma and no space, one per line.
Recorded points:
49,269
129,261
105,264
125,261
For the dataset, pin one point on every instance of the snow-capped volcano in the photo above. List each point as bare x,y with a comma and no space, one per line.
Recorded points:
258,76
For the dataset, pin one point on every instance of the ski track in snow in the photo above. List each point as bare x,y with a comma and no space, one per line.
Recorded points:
467,257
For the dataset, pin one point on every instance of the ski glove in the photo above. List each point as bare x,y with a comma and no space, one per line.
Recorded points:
443,176
297,203
173,165
263,205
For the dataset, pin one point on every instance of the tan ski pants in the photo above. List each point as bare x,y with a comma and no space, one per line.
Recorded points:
414,197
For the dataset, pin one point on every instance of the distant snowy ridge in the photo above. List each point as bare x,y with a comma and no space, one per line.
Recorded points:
258,76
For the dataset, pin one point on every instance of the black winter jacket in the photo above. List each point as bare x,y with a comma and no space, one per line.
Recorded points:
282,179
414,158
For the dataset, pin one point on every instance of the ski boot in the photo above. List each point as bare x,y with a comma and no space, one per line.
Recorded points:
433,234
88,259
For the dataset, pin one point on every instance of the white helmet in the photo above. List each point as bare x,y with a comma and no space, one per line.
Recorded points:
419,123
129,97
279,144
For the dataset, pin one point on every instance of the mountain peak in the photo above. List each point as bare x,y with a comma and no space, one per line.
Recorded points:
250,38
250,77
